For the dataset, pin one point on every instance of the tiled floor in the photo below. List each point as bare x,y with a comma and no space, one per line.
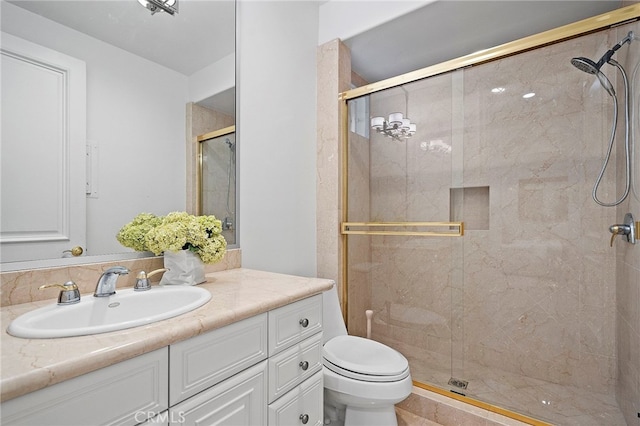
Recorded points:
406,418
553,403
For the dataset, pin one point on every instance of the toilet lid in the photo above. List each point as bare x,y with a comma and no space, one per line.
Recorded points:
364,359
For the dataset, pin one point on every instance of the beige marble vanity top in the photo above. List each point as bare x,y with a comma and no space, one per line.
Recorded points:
32,364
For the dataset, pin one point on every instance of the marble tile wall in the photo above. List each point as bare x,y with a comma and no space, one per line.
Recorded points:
334,77
538,288
218,188
200,120
627,314
22,286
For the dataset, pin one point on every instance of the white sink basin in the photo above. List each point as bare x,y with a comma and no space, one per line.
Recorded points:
92,315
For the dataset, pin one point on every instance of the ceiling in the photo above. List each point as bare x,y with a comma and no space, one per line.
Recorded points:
201,33
448,29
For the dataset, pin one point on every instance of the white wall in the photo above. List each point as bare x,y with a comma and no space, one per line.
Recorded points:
346,18
213,79
276,130
135,113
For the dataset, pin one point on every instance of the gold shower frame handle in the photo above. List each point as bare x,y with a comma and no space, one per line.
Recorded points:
446,229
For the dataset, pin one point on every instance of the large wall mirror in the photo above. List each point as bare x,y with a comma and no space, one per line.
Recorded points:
151,82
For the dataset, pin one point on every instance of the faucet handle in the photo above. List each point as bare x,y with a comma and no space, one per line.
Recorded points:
142,280
69,293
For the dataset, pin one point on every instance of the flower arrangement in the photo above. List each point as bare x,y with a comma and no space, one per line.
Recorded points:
176,231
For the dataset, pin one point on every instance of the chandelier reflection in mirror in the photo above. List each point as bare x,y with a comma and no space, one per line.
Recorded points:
169,6
397,127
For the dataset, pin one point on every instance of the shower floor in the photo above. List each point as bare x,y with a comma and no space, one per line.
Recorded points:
556,404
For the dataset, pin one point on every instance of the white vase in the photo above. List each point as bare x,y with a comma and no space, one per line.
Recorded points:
184,268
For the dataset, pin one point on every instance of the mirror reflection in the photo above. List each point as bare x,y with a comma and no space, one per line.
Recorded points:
142,69
218,179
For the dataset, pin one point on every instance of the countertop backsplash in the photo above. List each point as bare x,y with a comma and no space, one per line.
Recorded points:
18,287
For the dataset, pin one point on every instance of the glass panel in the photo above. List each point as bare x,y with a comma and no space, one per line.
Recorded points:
218,189
522,307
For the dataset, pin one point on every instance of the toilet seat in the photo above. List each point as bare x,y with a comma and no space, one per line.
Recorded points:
364,359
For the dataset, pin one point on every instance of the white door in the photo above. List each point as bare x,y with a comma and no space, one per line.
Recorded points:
42,151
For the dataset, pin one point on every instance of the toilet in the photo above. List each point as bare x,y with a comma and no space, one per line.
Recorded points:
363,379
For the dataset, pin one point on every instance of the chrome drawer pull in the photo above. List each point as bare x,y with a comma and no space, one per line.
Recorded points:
304,365
304,322
304,418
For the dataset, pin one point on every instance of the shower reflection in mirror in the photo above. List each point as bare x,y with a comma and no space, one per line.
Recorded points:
217,179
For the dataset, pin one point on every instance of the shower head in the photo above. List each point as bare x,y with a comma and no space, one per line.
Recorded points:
586,65
590,67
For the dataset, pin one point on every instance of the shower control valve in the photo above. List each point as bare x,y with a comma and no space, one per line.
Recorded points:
629,228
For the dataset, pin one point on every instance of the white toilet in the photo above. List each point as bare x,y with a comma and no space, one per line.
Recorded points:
363,379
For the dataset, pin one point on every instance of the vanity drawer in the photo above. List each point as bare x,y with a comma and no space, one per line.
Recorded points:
302,405
205,360
293,323
294,365
126,393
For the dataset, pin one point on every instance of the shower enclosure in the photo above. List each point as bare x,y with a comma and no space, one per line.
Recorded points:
217,179
516,308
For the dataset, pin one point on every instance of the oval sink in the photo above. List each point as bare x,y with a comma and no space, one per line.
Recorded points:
93,315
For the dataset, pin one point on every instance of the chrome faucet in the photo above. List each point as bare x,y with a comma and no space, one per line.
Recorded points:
106,285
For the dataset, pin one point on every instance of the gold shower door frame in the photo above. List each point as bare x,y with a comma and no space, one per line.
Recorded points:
200,139
600,22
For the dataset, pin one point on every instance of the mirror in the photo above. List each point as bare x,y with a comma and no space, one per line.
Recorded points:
217,178
141,72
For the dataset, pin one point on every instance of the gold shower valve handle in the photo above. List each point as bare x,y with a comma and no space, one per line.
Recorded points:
613,237
629,229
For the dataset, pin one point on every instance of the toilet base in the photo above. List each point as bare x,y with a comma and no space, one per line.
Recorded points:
336,413
382,416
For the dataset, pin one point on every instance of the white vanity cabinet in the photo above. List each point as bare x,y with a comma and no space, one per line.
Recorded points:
295,364
263,370
220,377
126,393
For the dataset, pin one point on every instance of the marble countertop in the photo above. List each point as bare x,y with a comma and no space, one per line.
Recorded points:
32,364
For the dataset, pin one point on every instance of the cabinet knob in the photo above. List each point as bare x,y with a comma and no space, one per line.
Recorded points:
304,418
304,322
304,365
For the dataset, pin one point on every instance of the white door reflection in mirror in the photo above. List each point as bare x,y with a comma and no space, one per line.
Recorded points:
43,125
218,179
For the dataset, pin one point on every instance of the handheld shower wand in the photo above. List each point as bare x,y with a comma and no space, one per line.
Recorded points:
591,67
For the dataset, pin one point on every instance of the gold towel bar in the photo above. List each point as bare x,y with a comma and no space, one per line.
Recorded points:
347,228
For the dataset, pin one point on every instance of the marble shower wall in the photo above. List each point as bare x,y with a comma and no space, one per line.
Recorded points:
531,290
219,181
628,271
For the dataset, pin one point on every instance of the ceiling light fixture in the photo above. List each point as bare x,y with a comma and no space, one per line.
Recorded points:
169,6
397,127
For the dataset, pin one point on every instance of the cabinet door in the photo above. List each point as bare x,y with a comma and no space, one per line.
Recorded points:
238,401
302,405
126,393
202,361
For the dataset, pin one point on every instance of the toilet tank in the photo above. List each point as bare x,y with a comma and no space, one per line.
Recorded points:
332,319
